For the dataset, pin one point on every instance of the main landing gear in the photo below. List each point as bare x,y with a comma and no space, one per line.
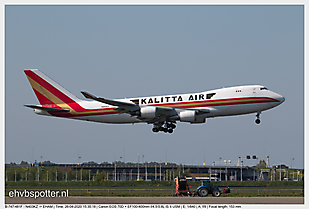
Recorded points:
258,121
168,127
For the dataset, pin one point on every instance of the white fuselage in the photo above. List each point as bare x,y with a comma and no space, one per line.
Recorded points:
221,102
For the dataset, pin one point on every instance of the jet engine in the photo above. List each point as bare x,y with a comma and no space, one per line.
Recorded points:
190,116
148,112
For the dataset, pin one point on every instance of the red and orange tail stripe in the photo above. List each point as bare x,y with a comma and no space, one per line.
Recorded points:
50,94
46,92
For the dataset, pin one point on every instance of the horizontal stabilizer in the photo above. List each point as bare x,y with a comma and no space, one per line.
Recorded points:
48,109
107,101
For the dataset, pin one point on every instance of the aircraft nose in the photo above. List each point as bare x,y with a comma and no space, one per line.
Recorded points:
280,98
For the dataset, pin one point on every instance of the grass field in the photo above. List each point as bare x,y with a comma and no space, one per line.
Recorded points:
159,188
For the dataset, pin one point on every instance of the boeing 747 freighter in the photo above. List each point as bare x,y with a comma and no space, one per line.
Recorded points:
161,111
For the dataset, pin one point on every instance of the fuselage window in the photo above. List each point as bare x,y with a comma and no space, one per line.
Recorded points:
238,90
208,96
263,88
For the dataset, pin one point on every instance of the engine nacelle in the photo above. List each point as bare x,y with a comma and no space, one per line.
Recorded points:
187,116
148,112
199,120
190,116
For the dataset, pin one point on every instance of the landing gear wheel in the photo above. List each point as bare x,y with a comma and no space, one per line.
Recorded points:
258,121
216,193
166,127
203,192
170,125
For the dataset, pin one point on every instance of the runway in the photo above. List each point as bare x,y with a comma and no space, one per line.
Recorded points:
157,200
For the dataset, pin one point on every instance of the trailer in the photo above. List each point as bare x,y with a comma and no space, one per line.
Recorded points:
182,187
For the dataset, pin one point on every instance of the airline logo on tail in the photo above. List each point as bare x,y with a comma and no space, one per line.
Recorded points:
54,97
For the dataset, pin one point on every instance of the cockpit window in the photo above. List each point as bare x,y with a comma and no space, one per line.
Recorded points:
263,88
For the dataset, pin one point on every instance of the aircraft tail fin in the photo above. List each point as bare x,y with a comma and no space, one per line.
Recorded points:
47,91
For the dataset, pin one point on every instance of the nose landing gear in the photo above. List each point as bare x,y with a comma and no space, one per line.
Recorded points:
258,121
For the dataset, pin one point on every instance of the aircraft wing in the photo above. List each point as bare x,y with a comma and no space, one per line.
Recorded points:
107,101
164,113
124,107
201,111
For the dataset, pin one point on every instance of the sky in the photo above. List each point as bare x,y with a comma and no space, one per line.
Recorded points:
133,51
